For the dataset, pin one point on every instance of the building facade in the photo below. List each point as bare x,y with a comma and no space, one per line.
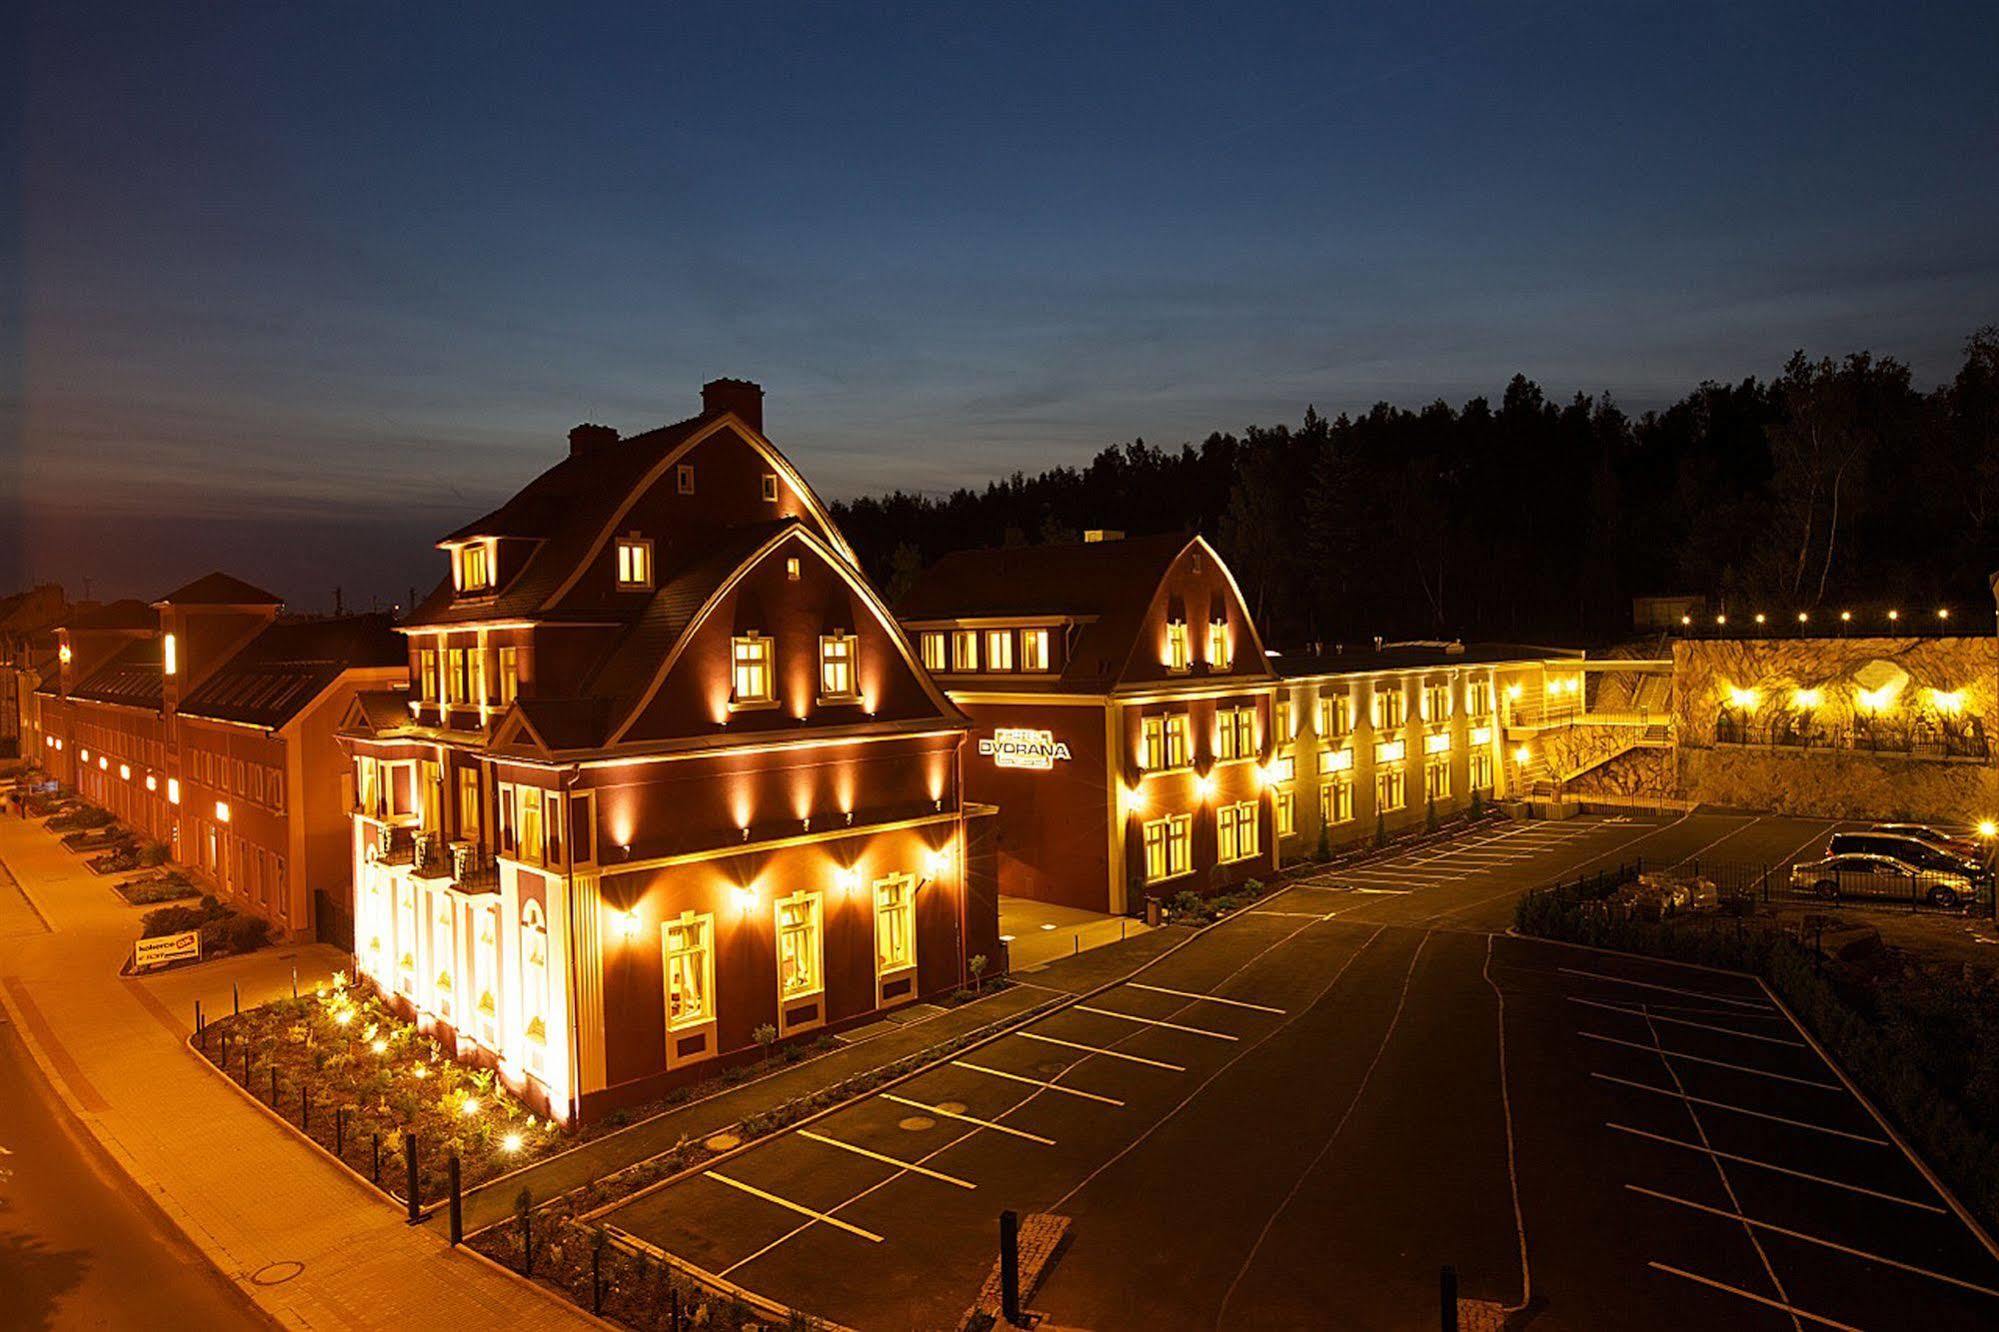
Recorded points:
667,775
27,656
205,721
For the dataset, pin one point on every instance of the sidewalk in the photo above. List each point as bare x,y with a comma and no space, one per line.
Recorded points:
313,1247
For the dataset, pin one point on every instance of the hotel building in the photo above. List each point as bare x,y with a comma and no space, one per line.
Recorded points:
667,774
205,721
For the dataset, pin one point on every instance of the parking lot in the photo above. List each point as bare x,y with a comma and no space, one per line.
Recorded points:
1295,1118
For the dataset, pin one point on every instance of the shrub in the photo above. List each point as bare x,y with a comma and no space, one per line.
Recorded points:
153,853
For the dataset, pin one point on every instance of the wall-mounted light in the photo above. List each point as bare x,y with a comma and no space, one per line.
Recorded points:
173,790
1206,787
1988,828
1686,619
1721,619
1760,617
1874,700
83,755
1947,701
626,922
1803,617
1523,756
1514,690
1943,612
1894,615
63,654
1808,699
1846,617
746,899
103,763
221,811
125,772
152,781
847,878
938,861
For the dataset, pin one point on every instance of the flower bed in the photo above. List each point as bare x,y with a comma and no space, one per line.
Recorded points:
223,929
349,1071
164,885
79,818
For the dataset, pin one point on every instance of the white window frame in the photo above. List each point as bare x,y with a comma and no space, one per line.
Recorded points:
809,930
839,667
698,956
1336,803
936,650
897,917
1034,650
752,657
1237,832
998,647
634,563
964,650
1168,846
1179,651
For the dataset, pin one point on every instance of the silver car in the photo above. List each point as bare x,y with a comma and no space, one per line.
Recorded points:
1856,875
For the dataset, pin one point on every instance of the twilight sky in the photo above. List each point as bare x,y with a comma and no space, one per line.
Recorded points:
294,289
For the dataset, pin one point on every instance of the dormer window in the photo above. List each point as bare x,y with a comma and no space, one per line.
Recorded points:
999,650
634,563
1218,645
1034,649
936,653
964,649
836,666
752,674
475,568
1178,652
770,487
683,476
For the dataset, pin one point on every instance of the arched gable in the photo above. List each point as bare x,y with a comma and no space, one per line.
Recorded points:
1196,586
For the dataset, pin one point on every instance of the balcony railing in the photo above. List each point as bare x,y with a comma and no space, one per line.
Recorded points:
1922,740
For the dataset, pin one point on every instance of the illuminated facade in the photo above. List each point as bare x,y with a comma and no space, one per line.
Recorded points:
667,773
205,721
27,657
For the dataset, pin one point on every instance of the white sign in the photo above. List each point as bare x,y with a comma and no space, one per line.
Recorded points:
1018,747
167,948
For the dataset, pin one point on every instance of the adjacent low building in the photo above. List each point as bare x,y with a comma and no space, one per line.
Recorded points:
669,781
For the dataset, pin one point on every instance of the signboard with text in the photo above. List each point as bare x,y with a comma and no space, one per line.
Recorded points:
166,948
1020,747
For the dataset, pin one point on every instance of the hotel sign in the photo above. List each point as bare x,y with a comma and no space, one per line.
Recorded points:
1018,747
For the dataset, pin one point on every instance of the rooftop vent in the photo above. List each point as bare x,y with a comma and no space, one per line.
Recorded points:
587,438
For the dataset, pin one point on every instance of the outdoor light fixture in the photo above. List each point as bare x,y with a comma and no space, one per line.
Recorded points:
938,861
1746,699
221,811
1523,755
1759,617
1686,619
628,923
1943,612
470,1107
63,654
1721,619
1206,786
1949,701
125,772
511,1143
1513,690
1846,617
173,790
83,754
1802,617
1808,698
1987,828
746,898
170,655
152,782
848,878
379,1046
103,763
1894,615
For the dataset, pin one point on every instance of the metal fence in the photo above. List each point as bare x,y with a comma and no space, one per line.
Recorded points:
1924,739
1740,887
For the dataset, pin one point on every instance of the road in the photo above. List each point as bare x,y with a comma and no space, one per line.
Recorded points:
1299,1117
80,1246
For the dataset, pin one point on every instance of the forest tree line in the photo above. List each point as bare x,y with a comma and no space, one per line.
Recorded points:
1836,484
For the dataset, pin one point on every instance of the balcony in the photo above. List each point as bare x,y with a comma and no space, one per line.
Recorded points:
1961,741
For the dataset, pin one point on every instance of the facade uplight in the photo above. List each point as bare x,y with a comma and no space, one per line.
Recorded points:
1807,699
1523,756
1988,828
1746,699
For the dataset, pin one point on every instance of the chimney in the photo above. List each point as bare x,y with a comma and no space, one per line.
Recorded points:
586,438
742,396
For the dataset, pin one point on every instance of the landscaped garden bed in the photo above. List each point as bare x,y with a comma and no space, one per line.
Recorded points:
224,929
1922,1040
164,884
357,1079
79,817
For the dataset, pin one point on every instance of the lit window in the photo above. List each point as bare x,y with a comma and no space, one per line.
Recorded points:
999,650
475,675
752,675
1436,702
1236,831
836,666
798,946
1218,644
1285,807
510,675
1169,846
936,653
454,675
427,674
1390,787
770,487
690,970
1164,742
683,476
1235,733
1336,801
1335,714
527,826
534,983
1437,777
791,569
173,790
634,562
475,568
964,650
443,951
221,811
1034,649
1481,770
170,650
1177,650
1390,707
1280,716
895,923
1478,697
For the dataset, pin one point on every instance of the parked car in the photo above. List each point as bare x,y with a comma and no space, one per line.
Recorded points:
1858,875
1911,851
1944,840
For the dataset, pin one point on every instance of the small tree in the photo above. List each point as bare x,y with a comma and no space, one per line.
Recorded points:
765,1035
977,966
1430,815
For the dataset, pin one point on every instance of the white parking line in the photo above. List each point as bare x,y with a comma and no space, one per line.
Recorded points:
1294,915
1767,1165
1036,1082
1205,998
791,1206
1385,892
1742,1110
895,1161
969,1119
1717,1063
1156,1022
1685,1022
1834,1245
1763,1300
1100,1050
1668,989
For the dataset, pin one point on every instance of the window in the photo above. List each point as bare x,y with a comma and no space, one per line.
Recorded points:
1177,650
1335,714
534,984
1163,742
468,804
475,675
1390,707
1218,644
836,666
426,674
454,675
1034,649
935,655
690,971
170,655
751,679
1280,715
1437,777
443,951
999,649
683,478
1235,831
552,826
1285,810
1235,733
1436,702
1478,697
895,923
1391,789
798,946
770,487
1481,770
634,562
527,826
510,675
1168,847
475,568
1336,801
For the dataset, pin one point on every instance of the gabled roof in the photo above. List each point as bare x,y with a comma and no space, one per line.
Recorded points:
219,589
132,677
1079,578
291,663
1337,659
124,615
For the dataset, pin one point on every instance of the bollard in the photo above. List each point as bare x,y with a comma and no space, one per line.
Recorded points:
305,1106
294,980
340,1131
1010,1267
409,1169
274,1084
457,1203
597,1275
375,1163
1447,1289
200,1031
236,998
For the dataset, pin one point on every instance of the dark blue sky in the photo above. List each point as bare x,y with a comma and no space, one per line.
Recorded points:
294,292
